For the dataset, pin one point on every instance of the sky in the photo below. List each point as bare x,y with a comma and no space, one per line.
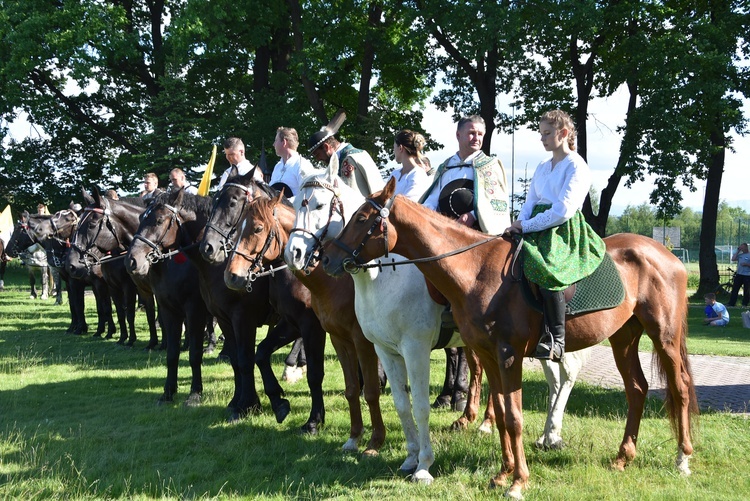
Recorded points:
603,150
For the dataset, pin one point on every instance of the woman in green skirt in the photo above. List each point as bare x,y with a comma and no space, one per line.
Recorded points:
560,248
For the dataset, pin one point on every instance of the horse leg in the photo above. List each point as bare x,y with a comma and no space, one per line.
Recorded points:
56,280
395,368
511,380
292,371
172,328
347,355
150,307
681,400
195,322
418,371
76,292
496,394
314,338
45,282
473,397
244,330
451,367
368,361
625,350
32,282
281,335
210,334
230,347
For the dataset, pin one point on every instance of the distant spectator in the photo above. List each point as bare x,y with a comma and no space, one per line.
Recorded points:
112,194
150,186
717,314
178,181
42,210
742,277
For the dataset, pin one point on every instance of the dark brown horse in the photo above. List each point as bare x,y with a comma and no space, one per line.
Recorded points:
496,322
54,233
175,284
102,238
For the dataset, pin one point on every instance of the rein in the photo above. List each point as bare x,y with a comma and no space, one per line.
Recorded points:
257,261
157,255
87,252
226,242
351,265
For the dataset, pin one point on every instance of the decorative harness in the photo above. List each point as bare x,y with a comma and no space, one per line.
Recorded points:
336,206
226,243
157,253
86,252
257,261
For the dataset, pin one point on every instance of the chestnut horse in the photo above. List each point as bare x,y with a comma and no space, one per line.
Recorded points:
331,308
381,294
474,272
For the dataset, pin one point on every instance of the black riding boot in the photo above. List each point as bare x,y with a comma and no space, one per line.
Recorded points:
552,343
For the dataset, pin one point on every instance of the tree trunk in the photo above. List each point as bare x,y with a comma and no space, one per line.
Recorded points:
709,272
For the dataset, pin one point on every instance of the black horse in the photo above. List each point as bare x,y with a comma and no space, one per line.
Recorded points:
22,244
179,224
102,238
55,233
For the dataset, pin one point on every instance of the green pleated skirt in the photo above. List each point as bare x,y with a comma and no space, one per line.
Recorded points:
560,256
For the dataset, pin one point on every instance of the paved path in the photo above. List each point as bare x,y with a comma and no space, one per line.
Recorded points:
721,383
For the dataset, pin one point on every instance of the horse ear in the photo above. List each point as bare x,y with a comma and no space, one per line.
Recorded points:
390,188
279,198
178,199
87,197
333,167
233,171
98,199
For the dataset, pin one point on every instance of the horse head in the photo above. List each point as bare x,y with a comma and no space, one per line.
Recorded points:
365,236
22,237
228,208
104,231
323,205
261,241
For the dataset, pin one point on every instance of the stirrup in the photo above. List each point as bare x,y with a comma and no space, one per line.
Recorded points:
548,351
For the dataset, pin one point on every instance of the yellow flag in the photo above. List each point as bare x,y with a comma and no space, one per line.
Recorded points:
6,220
207,175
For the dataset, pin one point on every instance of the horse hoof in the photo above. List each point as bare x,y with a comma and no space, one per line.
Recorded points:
208,350
282,410
442,402
120,341
234,418
193,400
422,477
459,424
370,453
486,427
309,429
460,405
165,399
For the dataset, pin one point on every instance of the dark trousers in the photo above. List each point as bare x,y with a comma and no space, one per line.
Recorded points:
740,281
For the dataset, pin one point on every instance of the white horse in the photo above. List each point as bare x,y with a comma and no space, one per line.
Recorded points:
398,316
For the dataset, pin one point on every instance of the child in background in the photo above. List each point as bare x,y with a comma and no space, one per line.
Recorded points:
717,314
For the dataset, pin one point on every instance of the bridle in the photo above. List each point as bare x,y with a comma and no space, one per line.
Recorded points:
256,262
226,242
157,253
352,264
86,253
336,207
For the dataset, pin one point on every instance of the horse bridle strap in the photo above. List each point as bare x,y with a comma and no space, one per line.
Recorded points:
336,206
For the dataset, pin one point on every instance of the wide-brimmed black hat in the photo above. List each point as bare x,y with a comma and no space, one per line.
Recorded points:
457,198
324,133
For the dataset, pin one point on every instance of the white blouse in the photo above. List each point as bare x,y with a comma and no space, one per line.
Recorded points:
564,187
413,184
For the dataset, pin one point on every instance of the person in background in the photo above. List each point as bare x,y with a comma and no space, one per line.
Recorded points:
178,181
150,186
234,150
411,177
717,314
741,277
292,168
112,194
356,167
42,209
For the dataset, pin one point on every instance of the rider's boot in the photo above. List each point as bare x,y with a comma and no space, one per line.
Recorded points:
552,343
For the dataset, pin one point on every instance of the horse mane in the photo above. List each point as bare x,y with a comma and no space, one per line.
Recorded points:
262,186
194,203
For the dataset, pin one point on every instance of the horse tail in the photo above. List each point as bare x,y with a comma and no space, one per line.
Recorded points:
685,375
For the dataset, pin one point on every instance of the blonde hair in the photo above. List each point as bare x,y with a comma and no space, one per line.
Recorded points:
414,143
561,120
290,135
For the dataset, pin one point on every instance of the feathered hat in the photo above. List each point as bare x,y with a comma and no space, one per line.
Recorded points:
329,130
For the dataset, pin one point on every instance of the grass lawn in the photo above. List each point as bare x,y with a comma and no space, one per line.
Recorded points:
79,420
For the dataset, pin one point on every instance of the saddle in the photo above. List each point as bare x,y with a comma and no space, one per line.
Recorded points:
602,290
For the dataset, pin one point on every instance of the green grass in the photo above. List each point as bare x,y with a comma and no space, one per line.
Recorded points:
79,420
